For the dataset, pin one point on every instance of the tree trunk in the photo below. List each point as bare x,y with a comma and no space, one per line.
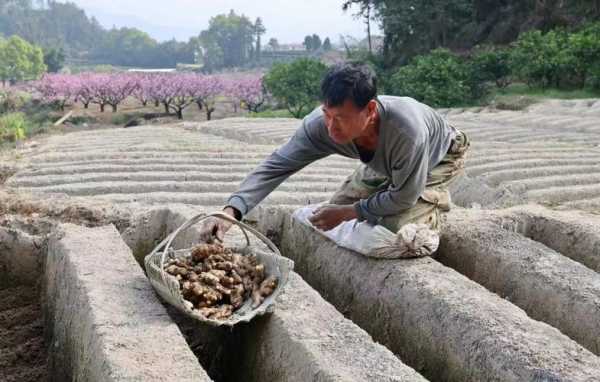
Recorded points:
114,108
86,105
199,105
167,111
144,103
369,28
209,113
156,103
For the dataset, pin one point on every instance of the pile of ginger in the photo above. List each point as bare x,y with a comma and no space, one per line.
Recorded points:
217,281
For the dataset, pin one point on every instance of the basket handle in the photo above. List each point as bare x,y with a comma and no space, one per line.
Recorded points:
166,243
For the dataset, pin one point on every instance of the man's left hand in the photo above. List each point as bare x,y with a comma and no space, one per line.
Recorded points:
330,216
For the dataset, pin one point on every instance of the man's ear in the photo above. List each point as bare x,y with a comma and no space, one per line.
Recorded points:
372,109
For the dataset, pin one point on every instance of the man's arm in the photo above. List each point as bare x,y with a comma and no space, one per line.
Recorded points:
298,152
409,177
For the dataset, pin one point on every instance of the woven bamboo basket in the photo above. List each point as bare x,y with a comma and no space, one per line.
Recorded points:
168,288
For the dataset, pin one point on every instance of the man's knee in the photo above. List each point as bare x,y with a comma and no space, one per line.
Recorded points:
361,184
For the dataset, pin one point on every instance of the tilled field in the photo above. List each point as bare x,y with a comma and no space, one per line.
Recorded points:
545,156
157,165
512,295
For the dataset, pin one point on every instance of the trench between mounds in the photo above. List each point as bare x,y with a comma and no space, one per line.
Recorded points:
434,345
541,264
227,354
25,331
217,349
23,347
571,235
264,349
305,338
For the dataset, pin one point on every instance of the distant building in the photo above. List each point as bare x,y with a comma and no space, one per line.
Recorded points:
142,70
291,47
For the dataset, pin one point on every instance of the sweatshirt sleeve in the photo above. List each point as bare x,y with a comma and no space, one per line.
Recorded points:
297,153
409,176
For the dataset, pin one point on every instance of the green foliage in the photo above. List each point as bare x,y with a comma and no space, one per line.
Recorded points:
53,24
273,43
439,79
544,59
585,48
123,118
20,60
228,41
57,24
414,27
312,42
296,85
11,101
593,77
491,64
13,127
54,58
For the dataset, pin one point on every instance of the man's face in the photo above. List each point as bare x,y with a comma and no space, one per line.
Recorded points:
347,121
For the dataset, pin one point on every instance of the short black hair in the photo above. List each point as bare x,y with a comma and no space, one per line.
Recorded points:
354,81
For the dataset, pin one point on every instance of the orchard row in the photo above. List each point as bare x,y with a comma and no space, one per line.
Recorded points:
174,91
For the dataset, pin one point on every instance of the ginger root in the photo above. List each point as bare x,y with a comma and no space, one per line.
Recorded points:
262,291
217,281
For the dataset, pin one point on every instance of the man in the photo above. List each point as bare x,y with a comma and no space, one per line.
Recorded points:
408,153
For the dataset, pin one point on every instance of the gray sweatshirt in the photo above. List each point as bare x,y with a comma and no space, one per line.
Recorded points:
413,138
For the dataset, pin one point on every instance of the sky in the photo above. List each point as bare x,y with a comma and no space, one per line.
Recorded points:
287,21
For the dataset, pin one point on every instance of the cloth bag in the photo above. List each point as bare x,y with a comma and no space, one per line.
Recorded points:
412,240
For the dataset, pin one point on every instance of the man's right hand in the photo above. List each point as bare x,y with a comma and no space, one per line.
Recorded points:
215,227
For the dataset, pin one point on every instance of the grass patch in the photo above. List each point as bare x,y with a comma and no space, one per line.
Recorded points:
520,96
81,119
122,119
524,90
279,113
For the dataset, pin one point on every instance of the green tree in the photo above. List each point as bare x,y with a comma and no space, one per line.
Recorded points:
212,56
53,24
20,60
585,47
316,42
127,47
312,42
259,30
439,79
415,27
491,64
308,43
54,58
327,44
231,38
366,11
544,59
273,43
296,84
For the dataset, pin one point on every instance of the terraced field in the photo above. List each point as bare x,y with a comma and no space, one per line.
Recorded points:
512,295
549,155
157,165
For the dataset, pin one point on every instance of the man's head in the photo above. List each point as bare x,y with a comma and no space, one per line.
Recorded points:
348,95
